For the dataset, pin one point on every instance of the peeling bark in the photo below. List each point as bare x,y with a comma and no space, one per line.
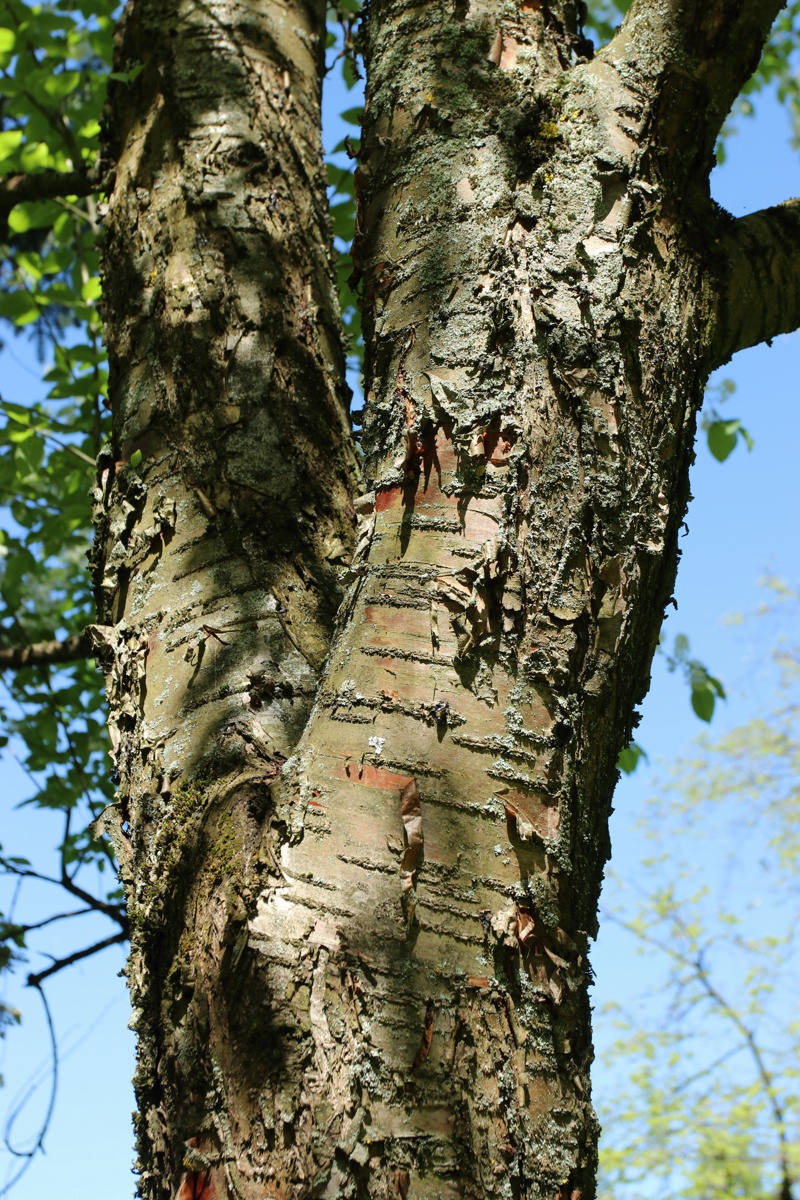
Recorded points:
536,329
360,958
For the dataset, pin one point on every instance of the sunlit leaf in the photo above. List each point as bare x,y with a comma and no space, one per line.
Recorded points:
630,757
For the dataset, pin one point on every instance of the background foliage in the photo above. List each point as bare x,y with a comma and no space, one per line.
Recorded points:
54,62
707,1062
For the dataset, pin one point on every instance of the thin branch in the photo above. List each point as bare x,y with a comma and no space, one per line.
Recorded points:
765,1075
10,930
44,432
38,654
28,1155
706,1071
689,60
757,261
36,980
110,910
67,826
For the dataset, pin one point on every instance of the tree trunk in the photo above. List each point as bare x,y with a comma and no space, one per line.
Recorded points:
224,513
363,971
528,439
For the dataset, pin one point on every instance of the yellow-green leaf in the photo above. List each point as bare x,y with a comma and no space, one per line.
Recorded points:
33,214
92,289
36,157
10,138
18,307
8,40
59,86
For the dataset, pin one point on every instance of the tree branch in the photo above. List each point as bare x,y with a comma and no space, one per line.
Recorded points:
12,931
110,910
48,185
37,979
690,58
38,1145
39,654
758,279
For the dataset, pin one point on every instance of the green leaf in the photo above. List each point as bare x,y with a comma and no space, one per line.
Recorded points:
722,438
342,146
64,228
681,645
92,289
630,757
89,131
33,214
8,41
343,217
703,700
136,458
57,87
349,72
17,436
128,76
19,307
10,139
37,157
353,115
31,264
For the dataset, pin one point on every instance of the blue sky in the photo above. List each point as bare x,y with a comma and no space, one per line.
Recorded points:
743,522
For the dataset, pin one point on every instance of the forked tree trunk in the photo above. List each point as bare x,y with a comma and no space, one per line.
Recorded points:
365,974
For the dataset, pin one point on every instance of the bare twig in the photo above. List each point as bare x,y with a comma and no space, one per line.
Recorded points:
110,910
11,930
700,973
36,980
28,1155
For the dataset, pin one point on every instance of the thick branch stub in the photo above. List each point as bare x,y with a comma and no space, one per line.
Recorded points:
759,280
38,654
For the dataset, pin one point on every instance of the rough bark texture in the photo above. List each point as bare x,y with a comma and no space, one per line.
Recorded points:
224,512
372,982
538,338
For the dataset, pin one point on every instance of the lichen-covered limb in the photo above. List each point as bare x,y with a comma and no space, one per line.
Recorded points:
757,265
692,58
